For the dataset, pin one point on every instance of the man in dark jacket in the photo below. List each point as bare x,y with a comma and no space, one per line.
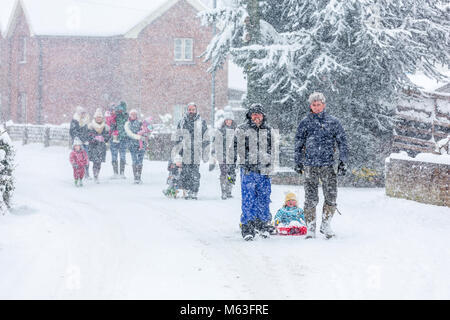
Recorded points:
253,145
315,141
193,140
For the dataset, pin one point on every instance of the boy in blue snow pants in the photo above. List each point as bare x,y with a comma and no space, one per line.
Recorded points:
253,145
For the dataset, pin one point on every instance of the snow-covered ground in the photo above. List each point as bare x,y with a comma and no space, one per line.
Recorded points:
120,240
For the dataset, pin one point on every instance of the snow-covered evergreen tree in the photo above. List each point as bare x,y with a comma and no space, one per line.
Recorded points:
358,52
6,171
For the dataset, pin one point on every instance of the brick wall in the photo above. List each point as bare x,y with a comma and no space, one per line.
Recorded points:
419,181
62,72
3,77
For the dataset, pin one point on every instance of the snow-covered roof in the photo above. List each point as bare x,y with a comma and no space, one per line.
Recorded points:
429,85
90,17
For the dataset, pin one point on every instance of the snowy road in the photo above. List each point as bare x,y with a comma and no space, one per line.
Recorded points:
119,240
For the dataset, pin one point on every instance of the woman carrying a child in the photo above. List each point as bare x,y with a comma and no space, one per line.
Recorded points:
133,129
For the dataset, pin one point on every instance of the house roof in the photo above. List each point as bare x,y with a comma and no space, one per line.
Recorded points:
444,89
101,18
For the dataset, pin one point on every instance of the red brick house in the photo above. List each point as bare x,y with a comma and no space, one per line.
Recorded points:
152,64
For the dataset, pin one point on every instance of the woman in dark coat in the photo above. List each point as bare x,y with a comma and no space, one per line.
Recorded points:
79,129
98,133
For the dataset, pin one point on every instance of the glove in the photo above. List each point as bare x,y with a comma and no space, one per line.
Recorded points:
299,168
231,179
212,166
342,168
100,138
75,166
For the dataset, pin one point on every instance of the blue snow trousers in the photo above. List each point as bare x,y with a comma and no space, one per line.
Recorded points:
256,189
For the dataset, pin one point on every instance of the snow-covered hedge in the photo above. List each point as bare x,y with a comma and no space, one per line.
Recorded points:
6,170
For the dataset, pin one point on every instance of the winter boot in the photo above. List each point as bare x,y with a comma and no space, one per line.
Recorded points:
137,178
76,182
310,217
115,166
327,214
122,169
135,173
223,187
194,195
86,173
80,182
264,229
96,171
248,231
228,189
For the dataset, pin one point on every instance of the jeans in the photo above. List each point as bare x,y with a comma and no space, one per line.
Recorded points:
117,148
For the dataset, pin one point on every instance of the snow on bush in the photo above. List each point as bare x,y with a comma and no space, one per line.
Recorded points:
6,170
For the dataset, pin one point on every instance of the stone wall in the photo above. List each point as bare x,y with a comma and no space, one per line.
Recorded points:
419,181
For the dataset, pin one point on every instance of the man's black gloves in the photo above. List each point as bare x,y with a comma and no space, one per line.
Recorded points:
342,168
299,168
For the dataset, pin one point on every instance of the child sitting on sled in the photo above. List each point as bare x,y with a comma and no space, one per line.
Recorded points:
173,181
290,219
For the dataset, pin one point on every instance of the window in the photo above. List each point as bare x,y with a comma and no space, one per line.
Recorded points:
23,50
183,49
22,108
178,113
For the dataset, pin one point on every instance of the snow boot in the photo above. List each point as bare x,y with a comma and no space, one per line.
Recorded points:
310,217
76,182
223,187
96,171
248,231
80,182
86,173
115,166
122,169
327,214
264,229
139,173
136,173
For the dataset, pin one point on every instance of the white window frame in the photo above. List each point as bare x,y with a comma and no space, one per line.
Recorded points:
24,50
184,54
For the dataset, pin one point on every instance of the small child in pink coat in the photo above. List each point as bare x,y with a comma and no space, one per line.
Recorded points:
146,130
79,160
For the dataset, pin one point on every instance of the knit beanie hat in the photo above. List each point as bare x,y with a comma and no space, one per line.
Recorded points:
77,142
290,196
122,107
177,159
98,113
228,116
133,111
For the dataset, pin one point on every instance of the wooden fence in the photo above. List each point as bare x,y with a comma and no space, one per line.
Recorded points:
160,143
48,135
